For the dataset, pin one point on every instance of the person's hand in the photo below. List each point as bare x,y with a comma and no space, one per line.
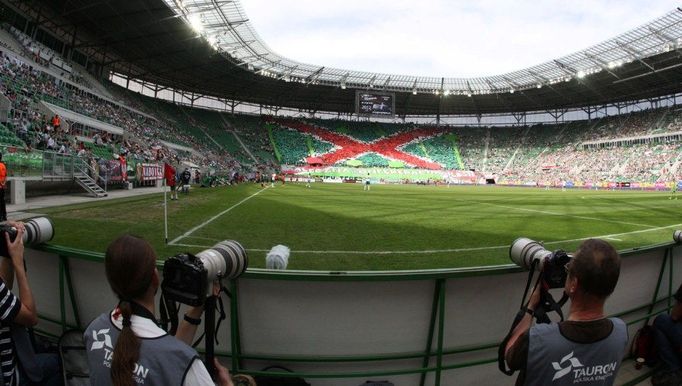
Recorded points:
222,374
676,312
16,224
216,288
16,247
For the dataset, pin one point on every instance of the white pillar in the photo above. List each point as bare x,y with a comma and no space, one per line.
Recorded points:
17,192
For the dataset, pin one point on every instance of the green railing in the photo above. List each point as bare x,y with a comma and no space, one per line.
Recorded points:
432,358
21,163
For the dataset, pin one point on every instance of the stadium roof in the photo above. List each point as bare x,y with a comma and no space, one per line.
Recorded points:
209,47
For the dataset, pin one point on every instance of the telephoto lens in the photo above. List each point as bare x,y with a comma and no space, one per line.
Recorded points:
524,251
227,260
38,230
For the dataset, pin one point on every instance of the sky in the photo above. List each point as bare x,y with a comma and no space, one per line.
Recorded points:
451,38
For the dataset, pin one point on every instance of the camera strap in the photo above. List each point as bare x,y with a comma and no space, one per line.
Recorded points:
221,309
168,311
548,304
501,364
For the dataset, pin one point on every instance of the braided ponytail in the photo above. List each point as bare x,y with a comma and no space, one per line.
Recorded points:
127,350
129,263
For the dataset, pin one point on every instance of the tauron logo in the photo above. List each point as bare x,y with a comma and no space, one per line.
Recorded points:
573,362
100,344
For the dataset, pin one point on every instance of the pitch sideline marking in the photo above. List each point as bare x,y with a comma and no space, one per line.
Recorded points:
609,237
189,232
567,215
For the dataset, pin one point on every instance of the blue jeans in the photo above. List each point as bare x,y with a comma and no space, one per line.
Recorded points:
668,336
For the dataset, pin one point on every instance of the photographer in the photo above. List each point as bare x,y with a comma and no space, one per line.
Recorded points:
126,346
16,313
587,348
668,337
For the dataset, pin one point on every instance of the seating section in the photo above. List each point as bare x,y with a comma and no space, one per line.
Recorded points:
443,149
638,146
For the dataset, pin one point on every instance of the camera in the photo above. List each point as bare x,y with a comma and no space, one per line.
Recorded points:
524,252
189,278
677,236
38,230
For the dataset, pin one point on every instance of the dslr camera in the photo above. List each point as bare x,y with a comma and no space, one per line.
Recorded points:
38,230
525,253
189,278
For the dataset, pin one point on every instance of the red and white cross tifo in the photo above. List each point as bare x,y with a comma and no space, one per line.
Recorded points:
349,148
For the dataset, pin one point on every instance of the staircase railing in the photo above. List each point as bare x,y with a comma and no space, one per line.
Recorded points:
84,167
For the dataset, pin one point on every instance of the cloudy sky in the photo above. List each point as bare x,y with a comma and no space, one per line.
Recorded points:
449,38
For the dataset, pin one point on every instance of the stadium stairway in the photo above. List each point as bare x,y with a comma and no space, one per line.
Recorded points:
278,155
82,177
89,184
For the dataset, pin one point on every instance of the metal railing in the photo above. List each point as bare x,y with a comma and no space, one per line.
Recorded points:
22,163
58,166
84,167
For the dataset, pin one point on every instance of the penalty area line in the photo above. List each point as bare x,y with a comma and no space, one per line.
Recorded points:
210,220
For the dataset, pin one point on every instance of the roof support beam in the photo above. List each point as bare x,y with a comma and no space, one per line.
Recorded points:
313,77
568,70
634,53
601,64
662,36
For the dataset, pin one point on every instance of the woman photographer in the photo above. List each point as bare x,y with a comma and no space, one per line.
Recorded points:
126,347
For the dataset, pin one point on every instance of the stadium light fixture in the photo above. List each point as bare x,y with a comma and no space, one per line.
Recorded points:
539,85
511,91
446,92
196,23
580,74
414,92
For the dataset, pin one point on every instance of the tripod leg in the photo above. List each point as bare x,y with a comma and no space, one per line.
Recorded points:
209,328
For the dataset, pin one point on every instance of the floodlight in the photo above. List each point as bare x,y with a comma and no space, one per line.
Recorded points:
414,92
511,91
469,95
539,85
195,22
580,74
446,92
343,86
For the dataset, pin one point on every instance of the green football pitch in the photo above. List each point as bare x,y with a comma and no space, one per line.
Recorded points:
341,227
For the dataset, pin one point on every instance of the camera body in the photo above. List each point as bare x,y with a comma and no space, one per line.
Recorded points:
524,252
185,279
189,278
38,230
553,269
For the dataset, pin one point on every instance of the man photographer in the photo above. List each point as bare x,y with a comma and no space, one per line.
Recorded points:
125,347
587,347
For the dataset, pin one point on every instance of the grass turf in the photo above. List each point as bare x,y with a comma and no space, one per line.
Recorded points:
341,227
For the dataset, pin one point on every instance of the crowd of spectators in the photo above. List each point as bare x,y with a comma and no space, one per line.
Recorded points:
542,153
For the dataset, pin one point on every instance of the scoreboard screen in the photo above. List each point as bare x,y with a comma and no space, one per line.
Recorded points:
373,103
